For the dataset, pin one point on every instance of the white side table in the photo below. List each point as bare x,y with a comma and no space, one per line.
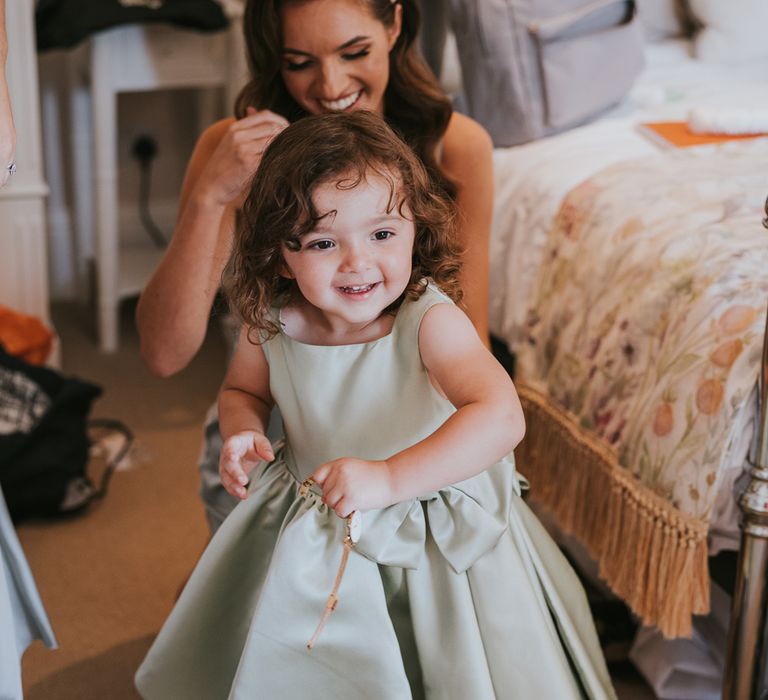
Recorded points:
131,58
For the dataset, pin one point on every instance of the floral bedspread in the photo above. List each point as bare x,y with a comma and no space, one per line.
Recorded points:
648,319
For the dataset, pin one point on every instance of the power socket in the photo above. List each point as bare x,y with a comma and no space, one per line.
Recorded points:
144,149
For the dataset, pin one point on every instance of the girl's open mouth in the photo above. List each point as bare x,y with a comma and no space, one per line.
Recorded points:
358,289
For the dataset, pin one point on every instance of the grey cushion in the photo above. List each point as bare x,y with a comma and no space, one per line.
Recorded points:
534,67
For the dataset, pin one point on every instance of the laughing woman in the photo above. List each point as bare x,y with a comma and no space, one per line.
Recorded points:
309,57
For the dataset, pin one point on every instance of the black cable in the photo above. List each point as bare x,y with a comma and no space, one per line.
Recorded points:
145,150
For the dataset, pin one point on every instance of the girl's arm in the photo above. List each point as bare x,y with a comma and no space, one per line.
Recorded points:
173,310
486,426
467,161
245,403
488,423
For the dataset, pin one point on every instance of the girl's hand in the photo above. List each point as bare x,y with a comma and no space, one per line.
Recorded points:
238,155
355,484
240,454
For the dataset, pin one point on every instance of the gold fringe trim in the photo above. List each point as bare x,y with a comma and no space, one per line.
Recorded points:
652,555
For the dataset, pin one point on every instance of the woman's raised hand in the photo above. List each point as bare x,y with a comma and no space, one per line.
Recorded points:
238,154
241,453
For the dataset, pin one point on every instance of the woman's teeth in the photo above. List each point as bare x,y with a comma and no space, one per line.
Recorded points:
342,104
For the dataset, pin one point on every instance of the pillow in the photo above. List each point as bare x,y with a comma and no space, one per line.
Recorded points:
663,19
730,31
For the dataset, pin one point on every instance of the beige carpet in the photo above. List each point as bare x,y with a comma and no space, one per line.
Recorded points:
108,577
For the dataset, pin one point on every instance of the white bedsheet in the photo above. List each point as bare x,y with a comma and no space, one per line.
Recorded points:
531,180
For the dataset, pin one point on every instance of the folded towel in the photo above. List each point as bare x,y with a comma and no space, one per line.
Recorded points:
713,120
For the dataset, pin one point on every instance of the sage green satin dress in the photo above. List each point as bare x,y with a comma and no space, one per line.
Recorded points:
457,595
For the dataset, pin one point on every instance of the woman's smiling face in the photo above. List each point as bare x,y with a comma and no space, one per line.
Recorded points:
336,54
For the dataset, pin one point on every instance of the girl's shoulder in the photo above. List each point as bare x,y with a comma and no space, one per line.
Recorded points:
434,295
413,310
432,319
464,139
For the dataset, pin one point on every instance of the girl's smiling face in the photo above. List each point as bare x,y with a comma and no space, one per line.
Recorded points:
357,260
336,54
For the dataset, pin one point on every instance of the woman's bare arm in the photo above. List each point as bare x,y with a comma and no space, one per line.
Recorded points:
173,310
467,161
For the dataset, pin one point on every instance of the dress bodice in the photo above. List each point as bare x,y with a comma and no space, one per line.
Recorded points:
367,400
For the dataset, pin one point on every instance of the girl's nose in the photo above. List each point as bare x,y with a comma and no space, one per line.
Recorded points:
356,259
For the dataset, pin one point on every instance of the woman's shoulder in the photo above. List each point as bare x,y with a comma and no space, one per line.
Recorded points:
464,138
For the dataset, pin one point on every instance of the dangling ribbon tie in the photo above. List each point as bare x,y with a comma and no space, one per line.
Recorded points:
353,528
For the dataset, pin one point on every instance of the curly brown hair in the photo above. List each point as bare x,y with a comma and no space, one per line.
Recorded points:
279,208
414,105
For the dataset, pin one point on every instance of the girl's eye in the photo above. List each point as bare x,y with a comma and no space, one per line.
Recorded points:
321,245
358,54
383,235
291,66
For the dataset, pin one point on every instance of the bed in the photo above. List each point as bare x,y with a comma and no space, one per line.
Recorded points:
630,281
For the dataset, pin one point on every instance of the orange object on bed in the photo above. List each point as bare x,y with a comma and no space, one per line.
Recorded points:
678,135
25,336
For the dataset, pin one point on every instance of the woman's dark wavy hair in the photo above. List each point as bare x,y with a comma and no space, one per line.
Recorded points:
345,149
414,105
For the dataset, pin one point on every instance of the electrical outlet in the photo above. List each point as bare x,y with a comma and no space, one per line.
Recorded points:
144,148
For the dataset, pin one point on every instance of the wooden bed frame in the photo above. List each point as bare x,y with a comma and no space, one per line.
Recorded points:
744,660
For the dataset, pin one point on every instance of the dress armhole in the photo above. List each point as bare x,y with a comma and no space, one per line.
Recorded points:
268,342
435,385
431,297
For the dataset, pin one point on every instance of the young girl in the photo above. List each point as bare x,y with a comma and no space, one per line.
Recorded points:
309,57
384,550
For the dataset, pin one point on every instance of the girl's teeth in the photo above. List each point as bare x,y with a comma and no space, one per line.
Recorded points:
342,104
360,288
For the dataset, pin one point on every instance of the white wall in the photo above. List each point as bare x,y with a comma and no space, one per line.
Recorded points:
23,284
